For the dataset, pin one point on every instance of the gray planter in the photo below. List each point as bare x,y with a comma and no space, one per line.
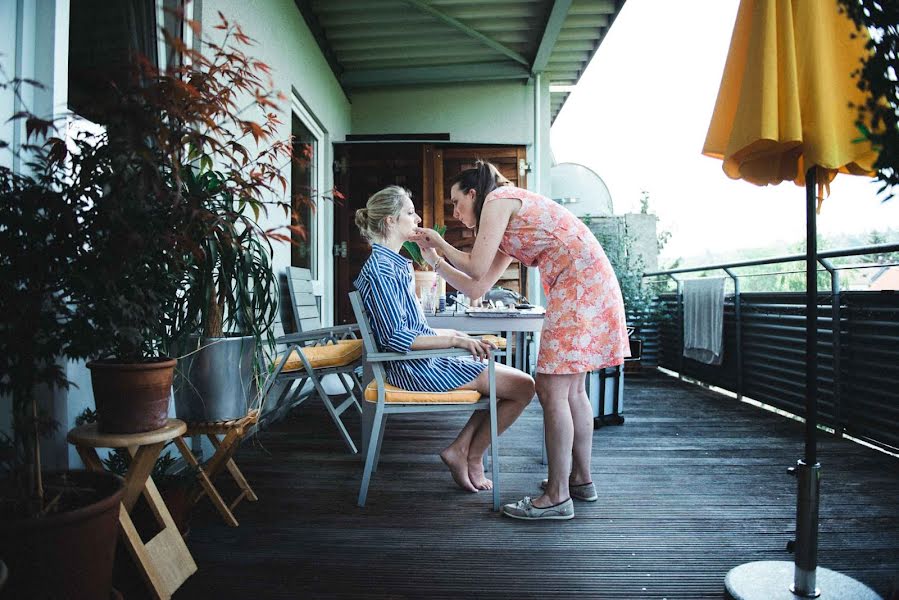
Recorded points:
215,383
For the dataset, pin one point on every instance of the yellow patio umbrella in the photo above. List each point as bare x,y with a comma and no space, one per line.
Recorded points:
785,112
786,96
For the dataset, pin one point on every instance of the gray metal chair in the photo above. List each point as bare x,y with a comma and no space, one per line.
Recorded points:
313,352
382,399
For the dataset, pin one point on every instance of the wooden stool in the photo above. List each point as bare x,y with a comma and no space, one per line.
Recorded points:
164,561
234,431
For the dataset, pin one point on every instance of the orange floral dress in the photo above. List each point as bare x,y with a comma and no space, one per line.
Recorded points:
585,326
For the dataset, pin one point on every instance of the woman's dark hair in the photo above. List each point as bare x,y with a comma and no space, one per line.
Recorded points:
483,179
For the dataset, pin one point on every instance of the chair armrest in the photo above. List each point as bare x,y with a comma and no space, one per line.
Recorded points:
322,333
341,329
304,336
420,354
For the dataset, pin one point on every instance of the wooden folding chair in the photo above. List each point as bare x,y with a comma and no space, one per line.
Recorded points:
312,353
383,399
234,432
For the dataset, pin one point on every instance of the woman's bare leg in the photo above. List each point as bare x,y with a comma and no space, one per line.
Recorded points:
582,419
465,456
553,392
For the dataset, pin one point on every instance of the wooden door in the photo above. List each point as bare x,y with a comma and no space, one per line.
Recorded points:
360,170
448,161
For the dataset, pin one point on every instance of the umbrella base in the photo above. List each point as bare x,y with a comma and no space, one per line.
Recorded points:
771,580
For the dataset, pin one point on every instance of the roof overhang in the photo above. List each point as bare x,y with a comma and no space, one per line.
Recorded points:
425,42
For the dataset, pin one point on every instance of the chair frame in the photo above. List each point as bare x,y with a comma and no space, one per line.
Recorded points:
291,396
374,436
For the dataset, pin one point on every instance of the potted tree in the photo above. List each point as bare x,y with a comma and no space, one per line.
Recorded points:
58,531
185,174
233,169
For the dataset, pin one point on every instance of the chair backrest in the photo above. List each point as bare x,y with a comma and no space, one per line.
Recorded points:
372,370
368,339
303,303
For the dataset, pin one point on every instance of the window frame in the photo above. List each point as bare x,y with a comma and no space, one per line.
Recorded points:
317,226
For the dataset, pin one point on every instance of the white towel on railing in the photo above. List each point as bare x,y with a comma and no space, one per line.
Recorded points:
704,319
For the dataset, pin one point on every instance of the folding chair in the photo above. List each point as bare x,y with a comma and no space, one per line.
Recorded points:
383,399
312,353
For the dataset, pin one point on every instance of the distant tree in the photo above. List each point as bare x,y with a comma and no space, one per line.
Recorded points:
883,258
877,77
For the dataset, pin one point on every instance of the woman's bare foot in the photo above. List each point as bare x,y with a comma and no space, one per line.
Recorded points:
458,466
476,475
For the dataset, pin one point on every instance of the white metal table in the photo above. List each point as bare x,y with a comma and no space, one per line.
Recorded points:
519,323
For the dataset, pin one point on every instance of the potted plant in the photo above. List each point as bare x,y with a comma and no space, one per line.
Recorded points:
232,170
58,531
180,178
425,277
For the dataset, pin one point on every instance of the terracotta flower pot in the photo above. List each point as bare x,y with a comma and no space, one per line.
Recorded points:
131,397
68,554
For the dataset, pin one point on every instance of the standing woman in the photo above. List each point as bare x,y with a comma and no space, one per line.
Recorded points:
585,327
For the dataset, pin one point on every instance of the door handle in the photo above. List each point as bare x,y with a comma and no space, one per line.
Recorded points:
340,250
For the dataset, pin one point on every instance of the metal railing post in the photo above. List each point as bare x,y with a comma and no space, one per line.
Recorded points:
738,327
836,326
680,326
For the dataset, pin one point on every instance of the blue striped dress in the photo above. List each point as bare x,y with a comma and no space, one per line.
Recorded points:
396,319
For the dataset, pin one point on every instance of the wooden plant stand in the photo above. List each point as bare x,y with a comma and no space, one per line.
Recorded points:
233,431
164,561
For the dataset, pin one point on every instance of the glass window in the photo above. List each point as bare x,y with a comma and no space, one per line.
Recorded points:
103,39
302,190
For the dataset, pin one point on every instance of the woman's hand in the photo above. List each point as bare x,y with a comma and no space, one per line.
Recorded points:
479,349
426,238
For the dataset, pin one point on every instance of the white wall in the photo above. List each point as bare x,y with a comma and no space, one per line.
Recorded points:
285,44
477,113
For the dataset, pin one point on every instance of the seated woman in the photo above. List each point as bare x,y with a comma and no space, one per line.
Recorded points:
398,324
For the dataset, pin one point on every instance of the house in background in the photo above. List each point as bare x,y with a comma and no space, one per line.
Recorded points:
401,92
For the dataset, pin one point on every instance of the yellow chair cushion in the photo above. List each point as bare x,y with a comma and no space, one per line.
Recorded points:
499,342
321,357
395,395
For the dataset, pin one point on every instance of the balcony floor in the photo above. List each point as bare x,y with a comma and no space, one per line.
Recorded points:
690,486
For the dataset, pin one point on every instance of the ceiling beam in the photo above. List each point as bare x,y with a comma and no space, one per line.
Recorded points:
432,74
318,32
457,24
550,34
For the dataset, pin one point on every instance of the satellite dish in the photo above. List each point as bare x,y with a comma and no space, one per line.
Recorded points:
580,190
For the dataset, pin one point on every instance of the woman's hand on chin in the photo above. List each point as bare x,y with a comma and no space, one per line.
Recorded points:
426,238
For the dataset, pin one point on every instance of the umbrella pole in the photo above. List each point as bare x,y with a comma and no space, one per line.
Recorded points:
769,579
808,471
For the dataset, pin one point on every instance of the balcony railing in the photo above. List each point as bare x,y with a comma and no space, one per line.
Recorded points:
764,344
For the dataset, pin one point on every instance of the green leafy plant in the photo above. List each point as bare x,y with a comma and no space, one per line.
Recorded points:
118,241
178,182
877,78
40,242
414,250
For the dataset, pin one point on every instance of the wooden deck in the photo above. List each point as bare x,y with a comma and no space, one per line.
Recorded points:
693,484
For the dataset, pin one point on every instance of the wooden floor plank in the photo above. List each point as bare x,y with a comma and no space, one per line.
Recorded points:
693,484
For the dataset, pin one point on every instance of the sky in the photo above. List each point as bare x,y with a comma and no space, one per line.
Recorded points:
639,117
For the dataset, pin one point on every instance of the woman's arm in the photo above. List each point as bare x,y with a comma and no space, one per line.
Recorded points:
477,347
494,220
381,297
471,287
